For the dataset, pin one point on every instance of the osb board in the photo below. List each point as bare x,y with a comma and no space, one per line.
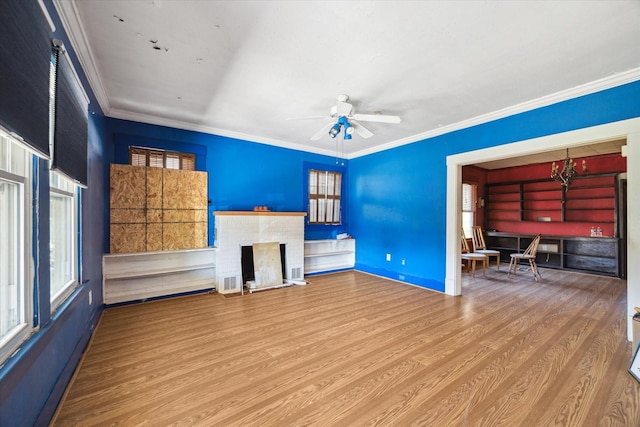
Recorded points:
184,189
154,188
119,216
187,235
154,215
126,238
185,215
127,186
154,237
267,264
137,198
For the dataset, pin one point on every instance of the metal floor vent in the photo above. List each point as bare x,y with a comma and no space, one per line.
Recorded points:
296,273
229,283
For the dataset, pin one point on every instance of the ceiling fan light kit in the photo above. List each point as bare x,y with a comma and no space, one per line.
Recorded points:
348,121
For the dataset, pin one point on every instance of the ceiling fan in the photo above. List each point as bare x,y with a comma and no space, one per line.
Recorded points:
348,121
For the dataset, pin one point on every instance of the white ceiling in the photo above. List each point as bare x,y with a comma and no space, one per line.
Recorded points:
243,68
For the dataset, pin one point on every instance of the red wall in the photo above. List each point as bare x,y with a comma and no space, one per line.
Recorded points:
598,203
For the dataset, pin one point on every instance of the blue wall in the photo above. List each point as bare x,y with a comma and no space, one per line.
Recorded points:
241,174
395,203
33,380
398,197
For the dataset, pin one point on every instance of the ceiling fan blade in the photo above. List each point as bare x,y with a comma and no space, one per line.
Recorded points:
324,131
376,118
360,130
307,118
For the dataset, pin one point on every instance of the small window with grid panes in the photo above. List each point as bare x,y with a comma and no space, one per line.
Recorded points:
325,190
155,158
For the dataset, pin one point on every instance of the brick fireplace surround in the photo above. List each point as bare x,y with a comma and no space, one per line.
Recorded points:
234,229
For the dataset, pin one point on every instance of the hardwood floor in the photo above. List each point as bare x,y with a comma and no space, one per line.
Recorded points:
354,349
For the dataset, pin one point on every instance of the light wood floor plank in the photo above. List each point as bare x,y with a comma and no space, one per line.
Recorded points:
355,349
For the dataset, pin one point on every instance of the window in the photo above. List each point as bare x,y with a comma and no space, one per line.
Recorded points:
63,223
15,238
324,197
469,192
155,158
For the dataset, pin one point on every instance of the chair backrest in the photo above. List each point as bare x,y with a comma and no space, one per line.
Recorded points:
478,238
465,244
532,249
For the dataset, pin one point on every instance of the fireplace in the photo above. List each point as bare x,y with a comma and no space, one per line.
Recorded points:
246,260
234,229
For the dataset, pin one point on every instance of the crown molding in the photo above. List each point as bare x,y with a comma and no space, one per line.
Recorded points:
615,80
68,13
177,124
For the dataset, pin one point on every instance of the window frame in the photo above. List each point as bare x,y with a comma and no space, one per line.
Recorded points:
25,274
473,203
166,156
60,186
329,198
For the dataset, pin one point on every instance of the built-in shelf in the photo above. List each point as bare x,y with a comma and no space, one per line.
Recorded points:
143,275
590,201
597,255
321,256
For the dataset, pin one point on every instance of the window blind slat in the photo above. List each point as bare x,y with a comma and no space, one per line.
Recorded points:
71,118
25,52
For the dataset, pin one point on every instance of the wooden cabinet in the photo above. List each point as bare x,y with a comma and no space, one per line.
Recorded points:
598,255
321,256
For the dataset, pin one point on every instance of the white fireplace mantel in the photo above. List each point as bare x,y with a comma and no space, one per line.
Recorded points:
234,229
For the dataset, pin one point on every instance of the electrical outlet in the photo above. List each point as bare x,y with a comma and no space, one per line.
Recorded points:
90,297
388,257
403,261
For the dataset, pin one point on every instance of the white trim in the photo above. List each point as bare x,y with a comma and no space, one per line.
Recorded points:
70,18
177,124
72,23
47,16
59,44
585,89
629,129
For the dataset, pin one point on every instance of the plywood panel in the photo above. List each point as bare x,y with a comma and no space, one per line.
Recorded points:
185,215
154,188
120,216
202,215
154,237
200,236
267,264
184,189
126,238
169,206
154,215
178,235
127,187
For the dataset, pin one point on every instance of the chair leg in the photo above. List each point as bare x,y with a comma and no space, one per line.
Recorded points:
534,268
473,267
512,265
484,266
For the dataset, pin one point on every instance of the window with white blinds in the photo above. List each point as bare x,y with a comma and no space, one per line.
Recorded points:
154,158
16,278
325,190
469,192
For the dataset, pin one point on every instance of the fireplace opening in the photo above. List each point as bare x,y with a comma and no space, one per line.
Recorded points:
248,272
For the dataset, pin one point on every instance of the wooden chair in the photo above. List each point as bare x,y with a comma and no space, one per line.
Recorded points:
472,258
530,255
480,247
